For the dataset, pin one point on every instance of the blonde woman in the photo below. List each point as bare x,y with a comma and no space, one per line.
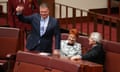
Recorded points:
70,48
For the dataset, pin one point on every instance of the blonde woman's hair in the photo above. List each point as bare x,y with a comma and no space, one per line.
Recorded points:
74,31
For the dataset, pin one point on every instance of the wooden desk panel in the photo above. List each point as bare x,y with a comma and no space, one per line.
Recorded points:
90,66
53,64
28,67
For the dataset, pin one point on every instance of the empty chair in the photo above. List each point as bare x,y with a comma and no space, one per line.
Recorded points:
9,44
112,49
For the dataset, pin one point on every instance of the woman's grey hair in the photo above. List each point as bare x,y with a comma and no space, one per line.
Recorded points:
96,36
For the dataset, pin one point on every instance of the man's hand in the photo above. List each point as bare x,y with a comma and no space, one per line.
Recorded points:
19,9
56,52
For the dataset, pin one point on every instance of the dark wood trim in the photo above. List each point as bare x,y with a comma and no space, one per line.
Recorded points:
77,20
101,10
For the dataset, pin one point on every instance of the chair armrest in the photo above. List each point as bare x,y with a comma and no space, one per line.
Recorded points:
11,56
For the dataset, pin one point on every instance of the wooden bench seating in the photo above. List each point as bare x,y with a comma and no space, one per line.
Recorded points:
30,62
64,65
112,50
33,62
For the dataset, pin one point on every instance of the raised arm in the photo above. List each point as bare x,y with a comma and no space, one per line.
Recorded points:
22,18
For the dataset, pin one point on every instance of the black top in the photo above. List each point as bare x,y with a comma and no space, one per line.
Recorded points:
96,54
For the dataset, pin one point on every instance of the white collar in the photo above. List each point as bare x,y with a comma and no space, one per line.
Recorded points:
45,18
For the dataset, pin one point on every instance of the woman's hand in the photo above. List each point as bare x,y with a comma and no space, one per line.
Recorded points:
56,52
77,57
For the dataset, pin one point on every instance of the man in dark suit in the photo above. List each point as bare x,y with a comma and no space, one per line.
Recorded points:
96,53
44,28
30,7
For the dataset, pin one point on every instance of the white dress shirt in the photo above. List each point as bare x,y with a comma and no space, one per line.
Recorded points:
43,25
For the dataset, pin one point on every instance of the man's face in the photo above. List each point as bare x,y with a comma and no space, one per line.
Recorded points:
44,12
91,41
71,38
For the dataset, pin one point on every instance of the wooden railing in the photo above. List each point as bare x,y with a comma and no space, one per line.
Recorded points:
87,21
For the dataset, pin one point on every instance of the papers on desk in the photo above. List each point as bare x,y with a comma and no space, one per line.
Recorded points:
45,54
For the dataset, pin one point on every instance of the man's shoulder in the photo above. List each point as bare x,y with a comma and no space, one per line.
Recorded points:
35,14
52,18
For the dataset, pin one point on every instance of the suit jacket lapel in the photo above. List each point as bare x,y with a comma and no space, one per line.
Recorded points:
38,24
49,25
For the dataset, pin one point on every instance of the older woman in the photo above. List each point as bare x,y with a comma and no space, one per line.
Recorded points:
96,53
70,48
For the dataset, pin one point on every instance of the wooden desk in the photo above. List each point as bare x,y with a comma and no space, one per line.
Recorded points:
85,66
29,62
90,66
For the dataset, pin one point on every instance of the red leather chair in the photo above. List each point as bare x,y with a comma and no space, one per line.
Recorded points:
33,62
9,45
112,50
112,61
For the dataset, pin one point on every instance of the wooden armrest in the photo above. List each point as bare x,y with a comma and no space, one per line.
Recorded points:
11,56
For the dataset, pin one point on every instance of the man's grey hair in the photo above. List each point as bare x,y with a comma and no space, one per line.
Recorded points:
96,36
44,5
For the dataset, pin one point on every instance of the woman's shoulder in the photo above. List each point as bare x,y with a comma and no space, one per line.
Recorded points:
79,44
63,40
